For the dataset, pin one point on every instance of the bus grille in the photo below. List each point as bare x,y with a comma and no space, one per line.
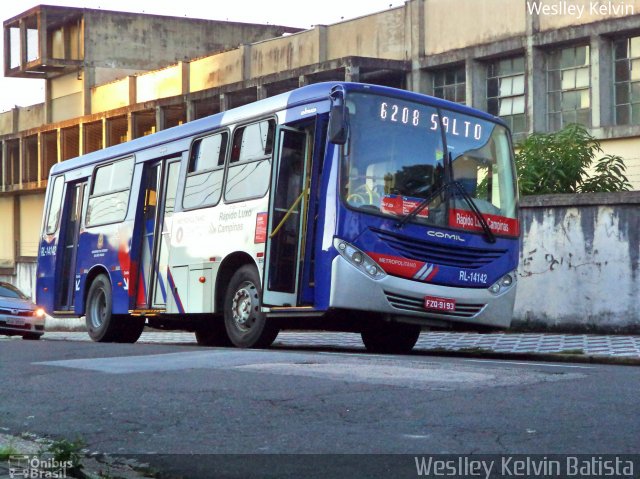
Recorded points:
428,252
416,305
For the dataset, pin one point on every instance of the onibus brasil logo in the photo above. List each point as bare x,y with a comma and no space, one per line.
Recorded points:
35,467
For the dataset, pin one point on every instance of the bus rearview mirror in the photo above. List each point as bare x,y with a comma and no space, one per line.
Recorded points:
338,124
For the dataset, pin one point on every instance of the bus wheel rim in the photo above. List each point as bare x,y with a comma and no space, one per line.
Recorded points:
243,305
98,309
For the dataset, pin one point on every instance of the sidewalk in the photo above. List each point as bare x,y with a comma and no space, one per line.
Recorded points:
26,457
560,345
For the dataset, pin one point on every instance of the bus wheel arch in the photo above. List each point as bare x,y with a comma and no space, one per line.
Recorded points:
102,324
245,323
228,267
91,276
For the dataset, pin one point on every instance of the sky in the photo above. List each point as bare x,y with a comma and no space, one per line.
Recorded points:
294,13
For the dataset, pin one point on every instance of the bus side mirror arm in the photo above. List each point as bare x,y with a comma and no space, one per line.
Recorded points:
338,127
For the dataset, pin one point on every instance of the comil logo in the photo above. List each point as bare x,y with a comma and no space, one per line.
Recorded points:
440,234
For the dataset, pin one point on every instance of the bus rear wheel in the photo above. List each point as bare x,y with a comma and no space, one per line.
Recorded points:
246,324
390,338
212,333
102,325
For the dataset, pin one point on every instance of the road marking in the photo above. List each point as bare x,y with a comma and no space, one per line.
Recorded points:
203,359
546,365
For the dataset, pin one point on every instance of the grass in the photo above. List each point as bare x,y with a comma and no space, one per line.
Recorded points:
6,451
65,451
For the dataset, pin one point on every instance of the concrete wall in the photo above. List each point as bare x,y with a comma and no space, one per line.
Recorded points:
21,118
216,70
380,35
106,75
31,207
590,11
579,267
125,40
6,122
110,95
159,84
463,23
6,232
285,53
24,279
67,100
31,117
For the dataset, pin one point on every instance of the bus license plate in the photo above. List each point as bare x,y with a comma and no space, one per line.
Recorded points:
435,303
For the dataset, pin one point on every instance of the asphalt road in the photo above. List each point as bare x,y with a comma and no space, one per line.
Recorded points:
157,400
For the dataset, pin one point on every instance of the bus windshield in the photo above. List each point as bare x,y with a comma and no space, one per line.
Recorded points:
395,159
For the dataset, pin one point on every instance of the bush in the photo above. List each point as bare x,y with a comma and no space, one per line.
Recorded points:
560,163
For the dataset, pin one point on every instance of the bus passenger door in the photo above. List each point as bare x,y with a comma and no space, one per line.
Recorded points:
163,239
161,180
287,207
71,220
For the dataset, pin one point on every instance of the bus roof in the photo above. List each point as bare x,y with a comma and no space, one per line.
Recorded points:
299,96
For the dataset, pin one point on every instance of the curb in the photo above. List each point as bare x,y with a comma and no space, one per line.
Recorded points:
488,354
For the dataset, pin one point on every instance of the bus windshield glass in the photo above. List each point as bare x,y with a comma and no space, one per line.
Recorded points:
395,159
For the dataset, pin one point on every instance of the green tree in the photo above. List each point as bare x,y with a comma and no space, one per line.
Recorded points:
563,162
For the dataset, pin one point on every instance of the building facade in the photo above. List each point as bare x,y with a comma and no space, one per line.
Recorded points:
111,77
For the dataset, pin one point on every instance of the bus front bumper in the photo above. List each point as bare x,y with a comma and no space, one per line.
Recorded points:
404,299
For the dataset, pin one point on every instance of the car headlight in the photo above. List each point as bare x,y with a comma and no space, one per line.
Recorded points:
359,259
39,313
504,283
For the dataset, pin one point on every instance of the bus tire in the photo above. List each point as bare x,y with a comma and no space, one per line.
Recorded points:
390,338
246,324
213,333
102,325
130,329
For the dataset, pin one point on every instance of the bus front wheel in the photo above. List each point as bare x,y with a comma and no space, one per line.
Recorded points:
390,338
246,324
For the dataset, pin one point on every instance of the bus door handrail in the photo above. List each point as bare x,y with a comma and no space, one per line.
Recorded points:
289,212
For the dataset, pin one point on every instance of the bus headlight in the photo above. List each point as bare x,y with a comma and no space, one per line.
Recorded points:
503,283
358,259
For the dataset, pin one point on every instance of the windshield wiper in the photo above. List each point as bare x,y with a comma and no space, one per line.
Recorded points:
423,204
491,238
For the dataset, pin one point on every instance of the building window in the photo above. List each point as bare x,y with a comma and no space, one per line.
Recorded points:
506,92
568,87
450,84
627,80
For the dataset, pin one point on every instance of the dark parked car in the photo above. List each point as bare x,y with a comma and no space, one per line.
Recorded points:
19,316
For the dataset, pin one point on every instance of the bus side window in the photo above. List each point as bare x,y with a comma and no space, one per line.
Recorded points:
203,185
55,206
110,193
250,163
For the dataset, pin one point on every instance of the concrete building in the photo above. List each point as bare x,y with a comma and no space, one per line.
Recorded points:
111,77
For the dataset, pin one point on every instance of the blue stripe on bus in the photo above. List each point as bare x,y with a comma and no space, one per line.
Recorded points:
174,291
163,290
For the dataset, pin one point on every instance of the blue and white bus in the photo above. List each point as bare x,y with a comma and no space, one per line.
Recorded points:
337,206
